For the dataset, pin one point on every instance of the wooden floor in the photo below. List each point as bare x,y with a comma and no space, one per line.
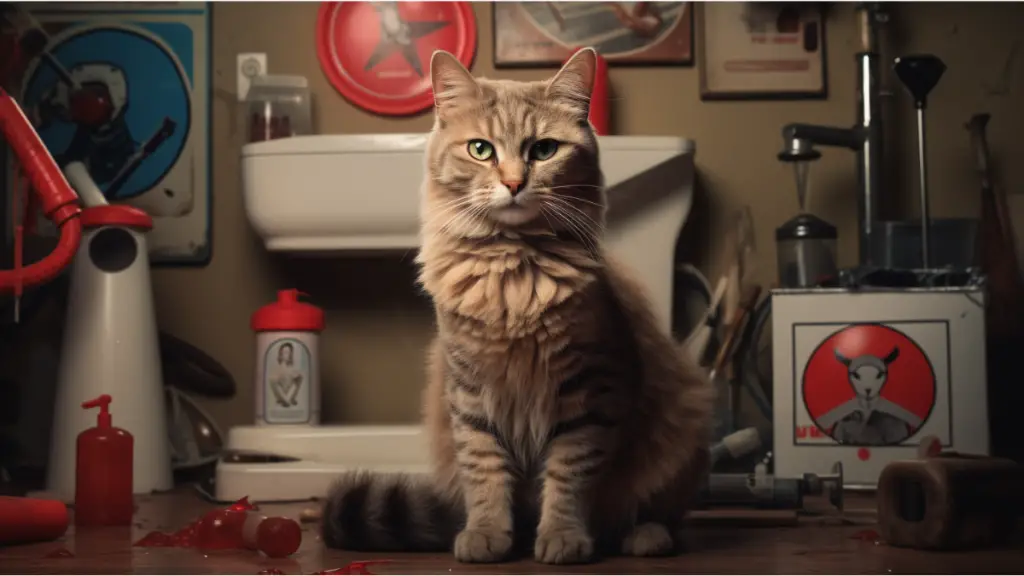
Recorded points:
819,545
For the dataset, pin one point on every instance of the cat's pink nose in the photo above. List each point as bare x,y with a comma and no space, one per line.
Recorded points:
513,185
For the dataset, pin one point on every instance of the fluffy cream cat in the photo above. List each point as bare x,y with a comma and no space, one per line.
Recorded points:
562,419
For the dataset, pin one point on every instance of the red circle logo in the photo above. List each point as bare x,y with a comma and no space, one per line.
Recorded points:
377,54
869,385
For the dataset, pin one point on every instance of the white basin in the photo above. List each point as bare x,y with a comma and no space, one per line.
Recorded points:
343,193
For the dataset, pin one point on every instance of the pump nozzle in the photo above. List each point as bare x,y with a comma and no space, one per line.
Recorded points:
103,403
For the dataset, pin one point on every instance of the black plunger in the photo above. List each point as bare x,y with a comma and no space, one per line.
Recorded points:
919,74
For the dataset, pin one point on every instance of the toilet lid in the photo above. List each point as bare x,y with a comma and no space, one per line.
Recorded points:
377,54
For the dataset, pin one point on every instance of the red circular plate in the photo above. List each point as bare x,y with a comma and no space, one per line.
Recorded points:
377,54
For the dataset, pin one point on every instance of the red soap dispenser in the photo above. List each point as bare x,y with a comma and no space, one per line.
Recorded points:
103,472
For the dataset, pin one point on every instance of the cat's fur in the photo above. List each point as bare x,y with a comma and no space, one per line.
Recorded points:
559,413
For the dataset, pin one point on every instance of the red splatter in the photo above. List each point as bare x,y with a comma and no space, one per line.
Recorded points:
354,568
211,531
270,571
864,454
60,553
156,540
868,535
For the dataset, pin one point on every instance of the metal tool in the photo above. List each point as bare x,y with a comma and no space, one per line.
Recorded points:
919,75
766,491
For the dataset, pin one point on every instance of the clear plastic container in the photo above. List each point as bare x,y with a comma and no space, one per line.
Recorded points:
806,250
278,107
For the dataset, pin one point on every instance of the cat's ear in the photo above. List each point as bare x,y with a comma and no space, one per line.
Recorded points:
574,82
450,80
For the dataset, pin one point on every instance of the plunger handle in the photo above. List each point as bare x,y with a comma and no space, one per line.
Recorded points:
920,74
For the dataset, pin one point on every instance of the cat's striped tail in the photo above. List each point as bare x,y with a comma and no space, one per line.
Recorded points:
374,512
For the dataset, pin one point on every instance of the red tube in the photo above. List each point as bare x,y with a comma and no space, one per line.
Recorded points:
25,520
58,200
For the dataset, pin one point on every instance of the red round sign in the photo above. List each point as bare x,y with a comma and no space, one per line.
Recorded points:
869,385
377,54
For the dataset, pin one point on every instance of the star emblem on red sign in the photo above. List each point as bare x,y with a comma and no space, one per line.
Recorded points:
377,54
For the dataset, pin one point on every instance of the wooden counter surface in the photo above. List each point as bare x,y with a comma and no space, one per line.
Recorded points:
821,545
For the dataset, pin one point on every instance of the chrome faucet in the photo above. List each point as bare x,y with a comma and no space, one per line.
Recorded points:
864,138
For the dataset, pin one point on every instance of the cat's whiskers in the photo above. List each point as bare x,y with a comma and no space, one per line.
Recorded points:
578,228
464,218
572,186
592,228
596,225
451,210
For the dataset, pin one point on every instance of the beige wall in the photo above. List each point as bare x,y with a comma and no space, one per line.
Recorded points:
378,325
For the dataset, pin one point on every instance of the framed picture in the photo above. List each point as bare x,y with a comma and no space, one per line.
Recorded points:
624,33
763,51
149,147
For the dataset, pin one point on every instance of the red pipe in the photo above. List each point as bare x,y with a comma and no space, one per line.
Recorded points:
27,520
58,200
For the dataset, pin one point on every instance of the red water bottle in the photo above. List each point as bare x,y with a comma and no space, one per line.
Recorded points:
103,472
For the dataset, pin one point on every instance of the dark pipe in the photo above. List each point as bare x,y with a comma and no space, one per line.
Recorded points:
824,135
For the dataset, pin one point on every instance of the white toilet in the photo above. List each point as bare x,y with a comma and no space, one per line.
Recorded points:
356,193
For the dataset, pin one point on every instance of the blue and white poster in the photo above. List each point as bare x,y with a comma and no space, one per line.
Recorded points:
125,90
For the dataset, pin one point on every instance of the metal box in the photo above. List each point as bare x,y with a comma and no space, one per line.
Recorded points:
861,377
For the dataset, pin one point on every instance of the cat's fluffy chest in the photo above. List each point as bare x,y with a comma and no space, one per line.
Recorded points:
505,292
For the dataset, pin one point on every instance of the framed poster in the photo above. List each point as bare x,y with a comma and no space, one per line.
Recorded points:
761,51
125,89
547,33
865,377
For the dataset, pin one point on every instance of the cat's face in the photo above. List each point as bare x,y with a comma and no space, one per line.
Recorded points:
507,154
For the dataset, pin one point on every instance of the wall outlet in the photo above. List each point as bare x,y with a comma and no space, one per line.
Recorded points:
250,65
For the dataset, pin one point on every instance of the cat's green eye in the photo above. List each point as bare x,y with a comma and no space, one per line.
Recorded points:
543,149
481,150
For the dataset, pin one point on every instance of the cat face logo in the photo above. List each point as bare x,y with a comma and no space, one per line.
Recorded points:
869,385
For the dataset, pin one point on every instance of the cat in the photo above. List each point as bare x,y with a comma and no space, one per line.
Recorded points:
559,414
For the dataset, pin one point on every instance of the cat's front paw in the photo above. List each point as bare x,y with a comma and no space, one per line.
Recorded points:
649,539
563,546
482,545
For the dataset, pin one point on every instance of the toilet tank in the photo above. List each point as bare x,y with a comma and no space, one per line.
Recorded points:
357,193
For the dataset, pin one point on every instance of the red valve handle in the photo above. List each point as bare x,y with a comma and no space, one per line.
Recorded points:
56,197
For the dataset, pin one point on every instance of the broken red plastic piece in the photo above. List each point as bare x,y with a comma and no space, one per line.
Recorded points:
220,530
243,505
190,535
354,567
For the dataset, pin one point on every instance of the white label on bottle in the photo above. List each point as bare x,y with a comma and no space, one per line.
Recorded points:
287,384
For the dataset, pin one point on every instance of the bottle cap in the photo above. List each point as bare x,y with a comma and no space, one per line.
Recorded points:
288,314
103,420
